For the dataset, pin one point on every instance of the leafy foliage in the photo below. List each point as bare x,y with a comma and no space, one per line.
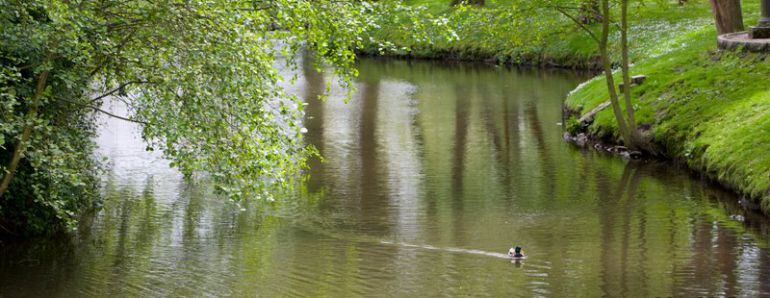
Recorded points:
534,32
58,175
199,75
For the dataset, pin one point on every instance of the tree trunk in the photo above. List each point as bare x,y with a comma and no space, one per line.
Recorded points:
727,15
634,140
605,57
26,133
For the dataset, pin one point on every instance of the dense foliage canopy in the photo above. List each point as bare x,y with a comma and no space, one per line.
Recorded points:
198,75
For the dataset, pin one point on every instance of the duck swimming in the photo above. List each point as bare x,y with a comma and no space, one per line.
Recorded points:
515,253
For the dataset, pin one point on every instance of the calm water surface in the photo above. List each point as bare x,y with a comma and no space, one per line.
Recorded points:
431,173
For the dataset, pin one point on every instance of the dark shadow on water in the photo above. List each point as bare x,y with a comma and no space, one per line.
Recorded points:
459,147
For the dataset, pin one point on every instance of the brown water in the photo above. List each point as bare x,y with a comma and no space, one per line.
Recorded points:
432,171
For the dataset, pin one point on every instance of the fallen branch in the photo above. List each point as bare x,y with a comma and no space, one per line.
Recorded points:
588,118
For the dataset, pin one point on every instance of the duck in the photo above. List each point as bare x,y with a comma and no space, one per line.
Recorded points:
515,253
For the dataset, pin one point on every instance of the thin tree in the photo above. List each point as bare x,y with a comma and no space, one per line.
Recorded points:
626,123
607,65
624,64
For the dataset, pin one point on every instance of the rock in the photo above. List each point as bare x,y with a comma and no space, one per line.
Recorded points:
581,140
635,80
638,80
635,154
619,149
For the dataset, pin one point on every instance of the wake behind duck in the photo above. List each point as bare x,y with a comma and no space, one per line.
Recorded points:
449,249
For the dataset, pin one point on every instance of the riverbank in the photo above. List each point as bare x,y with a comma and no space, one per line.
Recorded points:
707,109
508,32
704,108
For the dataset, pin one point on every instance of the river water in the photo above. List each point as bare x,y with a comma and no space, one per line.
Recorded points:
430,174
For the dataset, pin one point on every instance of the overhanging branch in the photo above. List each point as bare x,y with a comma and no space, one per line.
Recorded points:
107,113
578,22
117,89
116,116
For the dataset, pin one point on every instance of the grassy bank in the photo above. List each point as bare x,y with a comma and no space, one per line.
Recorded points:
708,109
507,31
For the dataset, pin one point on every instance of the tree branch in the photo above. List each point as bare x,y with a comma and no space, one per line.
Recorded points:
116,116
120,87
26,133
582,26
96,109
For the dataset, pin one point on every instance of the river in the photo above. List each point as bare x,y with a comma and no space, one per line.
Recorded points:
431,172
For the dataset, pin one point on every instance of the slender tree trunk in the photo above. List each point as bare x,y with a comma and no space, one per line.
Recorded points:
633,133
728,16
626,127
603,52
26,133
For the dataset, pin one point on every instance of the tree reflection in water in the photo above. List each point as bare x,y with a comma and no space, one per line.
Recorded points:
432,155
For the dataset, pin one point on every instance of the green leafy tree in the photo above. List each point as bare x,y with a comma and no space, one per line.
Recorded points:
198,76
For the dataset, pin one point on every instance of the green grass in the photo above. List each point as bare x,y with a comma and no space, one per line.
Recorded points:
502,31
496,32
